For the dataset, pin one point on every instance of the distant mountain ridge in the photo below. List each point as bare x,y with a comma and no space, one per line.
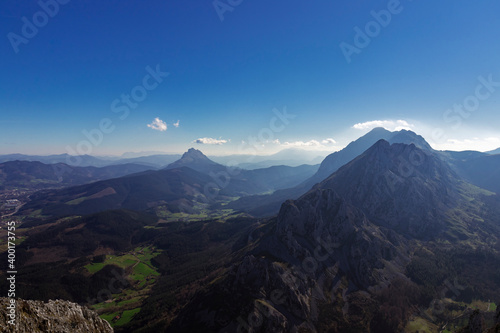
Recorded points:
494,152
289,157
38,175
286,182
269,204
153,161
82,160
192,179
244,181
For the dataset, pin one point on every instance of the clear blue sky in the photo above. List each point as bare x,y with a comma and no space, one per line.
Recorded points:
226,77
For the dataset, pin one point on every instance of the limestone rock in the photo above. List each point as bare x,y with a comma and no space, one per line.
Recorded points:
55,316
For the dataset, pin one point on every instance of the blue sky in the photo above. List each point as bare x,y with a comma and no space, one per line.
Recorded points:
419,70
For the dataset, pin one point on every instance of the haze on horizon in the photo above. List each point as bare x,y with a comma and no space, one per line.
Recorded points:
105,78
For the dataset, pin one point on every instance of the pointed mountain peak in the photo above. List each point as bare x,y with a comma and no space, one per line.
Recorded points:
196,160
381,143
193,153
375,134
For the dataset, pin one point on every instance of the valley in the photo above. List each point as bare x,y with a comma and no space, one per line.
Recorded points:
389,241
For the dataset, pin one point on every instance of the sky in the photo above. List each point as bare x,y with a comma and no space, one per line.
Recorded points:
239,76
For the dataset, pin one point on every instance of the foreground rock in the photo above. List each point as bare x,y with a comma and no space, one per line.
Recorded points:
54,316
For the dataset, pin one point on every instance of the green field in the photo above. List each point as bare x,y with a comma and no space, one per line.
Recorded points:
76,201
198,212
420,325
139,256
109,317
93,268
124,317
142,274
143,271
493,307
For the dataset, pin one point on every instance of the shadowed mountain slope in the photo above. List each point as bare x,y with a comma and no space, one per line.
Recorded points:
349,254
37,175
266,205
192,180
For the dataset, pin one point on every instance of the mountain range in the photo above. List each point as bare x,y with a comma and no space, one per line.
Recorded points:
386,235
37,175
494,152
289,156
157,160
191,181
269,204
348,255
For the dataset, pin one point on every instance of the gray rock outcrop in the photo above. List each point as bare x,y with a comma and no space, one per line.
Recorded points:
55,316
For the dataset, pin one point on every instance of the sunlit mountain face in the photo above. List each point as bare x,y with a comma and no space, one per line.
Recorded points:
249,166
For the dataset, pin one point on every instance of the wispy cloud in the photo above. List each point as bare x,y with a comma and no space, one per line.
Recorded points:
325,144
328,141
158,125
478,144
390,125
310,143
176,124
210,141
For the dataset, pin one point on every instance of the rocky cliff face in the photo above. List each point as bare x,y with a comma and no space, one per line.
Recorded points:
321,254
54,316
324,226
325,254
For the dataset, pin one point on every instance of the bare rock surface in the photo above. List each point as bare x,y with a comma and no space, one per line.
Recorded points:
55,316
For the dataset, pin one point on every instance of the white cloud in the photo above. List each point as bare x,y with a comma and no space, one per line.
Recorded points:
478,144
390,125
322,145
210,141
310,143
328,141
275,142
176,124
158,125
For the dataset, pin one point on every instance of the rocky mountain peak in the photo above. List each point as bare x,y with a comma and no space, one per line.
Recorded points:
337,159
399,186
194,154
195,160
51,317
410,137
